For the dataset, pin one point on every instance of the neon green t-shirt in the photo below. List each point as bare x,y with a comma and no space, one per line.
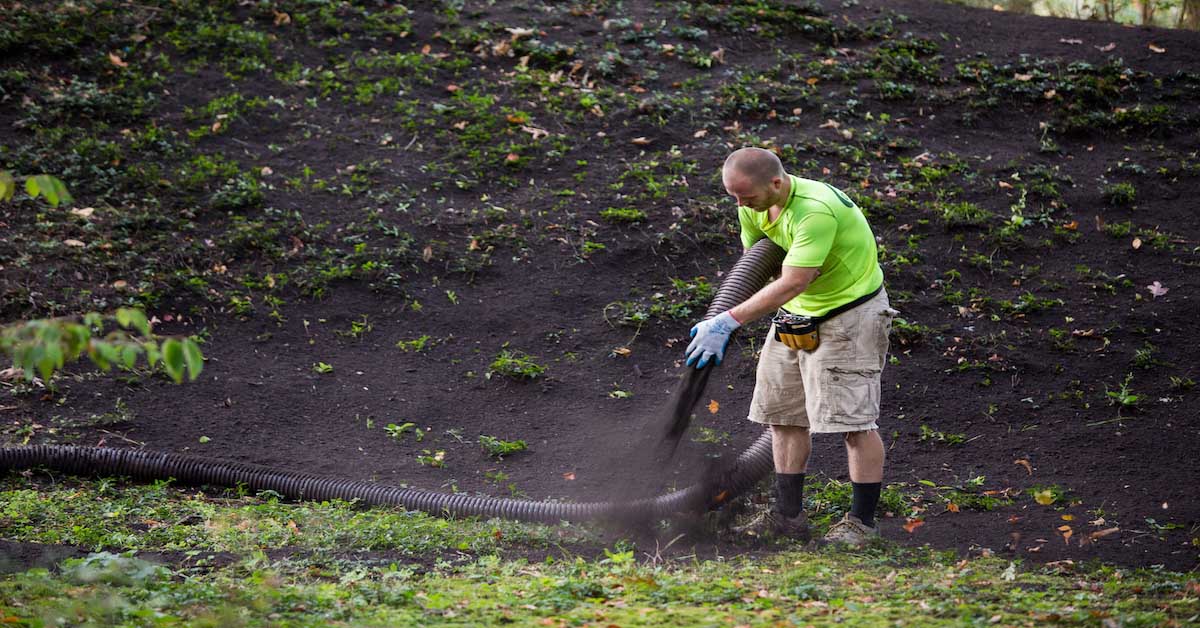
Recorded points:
820,227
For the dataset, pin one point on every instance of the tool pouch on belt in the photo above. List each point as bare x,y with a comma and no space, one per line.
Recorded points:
796,331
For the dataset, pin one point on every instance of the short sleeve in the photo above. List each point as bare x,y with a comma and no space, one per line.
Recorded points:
812,239
750,231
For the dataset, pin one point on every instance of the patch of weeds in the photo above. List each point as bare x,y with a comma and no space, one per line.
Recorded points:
826,500
416,345
711,436
1123,397
498,448
1143,357
685,300
1028,303
962,213
358,328
910,334
1182,384
929,434
432,458
1119,194
397,431
243,191
1061,339
622,214
515,364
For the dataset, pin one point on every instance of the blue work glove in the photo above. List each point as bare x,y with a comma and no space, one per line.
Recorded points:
709,339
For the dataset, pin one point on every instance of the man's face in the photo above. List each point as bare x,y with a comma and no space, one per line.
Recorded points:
759,198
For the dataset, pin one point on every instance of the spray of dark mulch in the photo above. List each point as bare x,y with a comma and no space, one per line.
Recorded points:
658,459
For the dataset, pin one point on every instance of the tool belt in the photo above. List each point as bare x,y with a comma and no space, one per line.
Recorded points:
800,332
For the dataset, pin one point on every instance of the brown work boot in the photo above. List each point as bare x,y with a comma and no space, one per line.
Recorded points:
851,531
770,525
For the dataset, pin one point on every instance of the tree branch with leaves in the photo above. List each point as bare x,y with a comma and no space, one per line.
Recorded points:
44,346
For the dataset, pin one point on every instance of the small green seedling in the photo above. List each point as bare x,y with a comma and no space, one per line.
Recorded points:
397,432
322,367
432,458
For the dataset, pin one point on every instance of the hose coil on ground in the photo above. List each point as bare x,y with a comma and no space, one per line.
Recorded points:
748,275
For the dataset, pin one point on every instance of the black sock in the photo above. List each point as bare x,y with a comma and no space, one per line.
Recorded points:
789,493
865,497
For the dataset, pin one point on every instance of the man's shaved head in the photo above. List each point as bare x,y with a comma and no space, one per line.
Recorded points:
757,166
756,179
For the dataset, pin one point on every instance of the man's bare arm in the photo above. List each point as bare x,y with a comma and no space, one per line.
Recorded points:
792,281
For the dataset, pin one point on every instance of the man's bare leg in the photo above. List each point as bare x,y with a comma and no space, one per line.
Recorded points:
791,446
865,453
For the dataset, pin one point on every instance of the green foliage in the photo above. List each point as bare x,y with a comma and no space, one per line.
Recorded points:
515,364
500,448
963,213
928,434
622,214
45,346
685,300
418,344
1119,194
48,187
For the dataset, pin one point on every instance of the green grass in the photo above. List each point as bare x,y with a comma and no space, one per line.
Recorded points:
295,565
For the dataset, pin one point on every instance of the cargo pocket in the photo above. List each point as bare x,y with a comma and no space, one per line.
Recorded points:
852,394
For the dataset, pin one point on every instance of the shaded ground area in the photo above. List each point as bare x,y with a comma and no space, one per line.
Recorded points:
385,223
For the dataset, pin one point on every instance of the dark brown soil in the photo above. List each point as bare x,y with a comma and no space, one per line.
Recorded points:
260,400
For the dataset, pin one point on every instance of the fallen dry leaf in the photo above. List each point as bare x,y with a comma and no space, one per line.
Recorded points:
117,61
452,88
1023,77
951,507
512,157
830,124
622,351
1066,533
699,134
1136,244
281,18
1025,463
1044,498
73,243
569,476
640,141
1099,534
535,132
1106,48
911,525
1157,289
1072,42
713,406
120,284
427,254
1068,517
1156,49
83,212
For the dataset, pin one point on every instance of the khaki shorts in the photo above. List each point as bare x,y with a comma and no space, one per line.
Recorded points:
836,387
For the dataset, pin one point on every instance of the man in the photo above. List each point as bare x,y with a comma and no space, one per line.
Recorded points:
828,384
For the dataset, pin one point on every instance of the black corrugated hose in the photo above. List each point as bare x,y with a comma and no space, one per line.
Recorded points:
750,273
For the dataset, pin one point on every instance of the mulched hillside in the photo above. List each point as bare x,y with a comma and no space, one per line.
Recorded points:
399,228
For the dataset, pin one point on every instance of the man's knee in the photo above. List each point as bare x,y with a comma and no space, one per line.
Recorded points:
854,438
789,432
